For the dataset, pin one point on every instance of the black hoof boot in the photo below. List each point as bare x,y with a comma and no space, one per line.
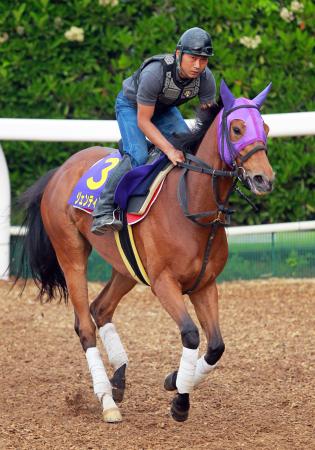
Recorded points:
118,383
170,381
180,407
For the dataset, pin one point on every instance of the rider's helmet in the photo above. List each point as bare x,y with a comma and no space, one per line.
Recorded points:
194,41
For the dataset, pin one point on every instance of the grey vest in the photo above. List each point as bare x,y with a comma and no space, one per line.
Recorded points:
173,92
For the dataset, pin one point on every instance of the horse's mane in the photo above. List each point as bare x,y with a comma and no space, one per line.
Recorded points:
190,141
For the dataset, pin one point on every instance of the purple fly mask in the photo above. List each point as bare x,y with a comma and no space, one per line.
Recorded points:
243,109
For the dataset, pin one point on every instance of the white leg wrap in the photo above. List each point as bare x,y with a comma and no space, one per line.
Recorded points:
186,371
113,346
202,370
101,384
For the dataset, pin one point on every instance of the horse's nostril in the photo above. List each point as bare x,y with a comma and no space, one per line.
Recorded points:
258,179
262,183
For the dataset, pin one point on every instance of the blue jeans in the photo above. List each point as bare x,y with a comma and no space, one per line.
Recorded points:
135,143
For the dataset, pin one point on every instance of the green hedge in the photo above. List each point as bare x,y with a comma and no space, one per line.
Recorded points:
43,74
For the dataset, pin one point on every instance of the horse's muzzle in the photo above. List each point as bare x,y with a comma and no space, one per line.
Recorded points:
260,184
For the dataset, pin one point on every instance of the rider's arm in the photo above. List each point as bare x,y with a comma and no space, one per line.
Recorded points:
145,113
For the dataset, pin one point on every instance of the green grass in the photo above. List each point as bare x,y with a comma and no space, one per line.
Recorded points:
289,254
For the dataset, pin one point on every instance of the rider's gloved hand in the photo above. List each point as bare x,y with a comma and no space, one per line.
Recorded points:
175,156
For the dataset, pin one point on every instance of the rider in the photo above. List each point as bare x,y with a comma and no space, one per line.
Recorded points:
147,107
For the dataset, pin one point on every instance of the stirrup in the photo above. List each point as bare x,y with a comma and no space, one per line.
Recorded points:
107,224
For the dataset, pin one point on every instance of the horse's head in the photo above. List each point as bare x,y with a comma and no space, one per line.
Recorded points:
242,136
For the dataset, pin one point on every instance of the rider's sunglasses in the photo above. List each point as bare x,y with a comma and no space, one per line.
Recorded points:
207,50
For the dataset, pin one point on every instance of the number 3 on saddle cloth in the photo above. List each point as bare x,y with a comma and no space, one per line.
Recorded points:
135,194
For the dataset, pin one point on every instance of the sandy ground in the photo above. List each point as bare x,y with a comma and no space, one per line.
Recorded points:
260,397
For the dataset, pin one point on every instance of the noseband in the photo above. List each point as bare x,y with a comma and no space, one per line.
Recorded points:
222,213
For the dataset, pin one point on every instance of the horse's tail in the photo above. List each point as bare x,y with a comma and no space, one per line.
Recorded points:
38,257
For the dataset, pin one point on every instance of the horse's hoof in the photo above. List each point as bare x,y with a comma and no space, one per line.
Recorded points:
170,381
179,416
180,407
112,415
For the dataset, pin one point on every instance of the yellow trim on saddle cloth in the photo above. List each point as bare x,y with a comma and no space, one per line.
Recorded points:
136,255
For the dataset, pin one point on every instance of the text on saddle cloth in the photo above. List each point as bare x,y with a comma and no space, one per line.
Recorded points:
89,187
139,184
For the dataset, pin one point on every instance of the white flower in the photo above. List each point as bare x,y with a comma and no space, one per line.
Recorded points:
250,42
3,37
108,2
297,6
75,34
286,15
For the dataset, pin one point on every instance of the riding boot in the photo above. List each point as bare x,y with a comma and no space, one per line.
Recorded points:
104,214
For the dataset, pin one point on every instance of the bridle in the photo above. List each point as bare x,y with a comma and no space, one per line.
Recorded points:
222,213
226,136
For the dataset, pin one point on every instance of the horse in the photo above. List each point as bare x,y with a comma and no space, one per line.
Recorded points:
182,245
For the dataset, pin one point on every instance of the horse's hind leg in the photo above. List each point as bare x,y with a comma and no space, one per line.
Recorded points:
73,261
102,310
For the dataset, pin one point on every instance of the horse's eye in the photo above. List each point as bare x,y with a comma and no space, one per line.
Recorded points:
236,130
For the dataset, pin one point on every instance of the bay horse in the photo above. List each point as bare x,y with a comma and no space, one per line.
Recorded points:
179,255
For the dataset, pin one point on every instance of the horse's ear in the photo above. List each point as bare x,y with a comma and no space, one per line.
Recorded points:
260,98
226,95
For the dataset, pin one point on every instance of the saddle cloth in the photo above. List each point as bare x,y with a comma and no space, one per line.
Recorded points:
135,193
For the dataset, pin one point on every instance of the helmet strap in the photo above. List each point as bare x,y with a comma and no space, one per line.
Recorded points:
179,59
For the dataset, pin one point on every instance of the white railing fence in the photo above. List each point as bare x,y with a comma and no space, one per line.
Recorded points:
281,125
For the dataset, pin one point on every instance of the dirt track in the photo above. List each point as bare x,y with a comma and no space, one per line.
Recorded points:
261,396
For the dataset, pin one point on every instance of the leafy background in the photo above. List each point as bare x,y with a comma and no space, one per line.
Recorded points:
44,75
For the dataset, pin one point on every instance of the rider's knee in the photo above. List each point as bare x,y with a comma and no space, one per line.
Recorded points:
214,353
190,336
138,154
139,160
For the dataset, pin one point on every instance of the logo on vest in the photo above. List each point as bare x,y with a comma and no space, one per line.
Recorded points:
187,93
169,59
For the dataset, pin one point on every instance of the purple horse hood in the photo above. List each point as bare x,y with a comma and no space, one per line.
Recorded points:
247,111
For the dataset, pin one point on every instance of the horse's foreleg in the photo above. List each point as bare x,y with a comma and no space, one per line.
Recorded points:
102,310
206,306
170,296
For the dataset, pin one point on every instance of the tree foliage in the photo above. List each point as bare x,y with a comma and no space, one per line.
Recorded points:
50,70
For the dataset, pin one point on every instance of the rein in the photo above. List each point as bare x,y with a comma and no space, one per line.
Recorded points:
222,212
202,167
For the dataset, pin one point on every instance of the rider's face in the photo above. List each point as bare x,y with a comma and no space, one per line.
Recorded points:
191,66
